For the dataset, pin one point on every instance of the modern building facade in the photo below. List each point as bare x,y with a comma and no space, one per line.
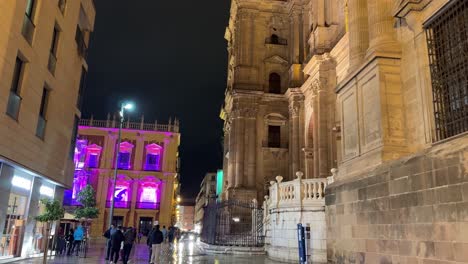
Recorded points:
207,194
147,175
43,47
376,91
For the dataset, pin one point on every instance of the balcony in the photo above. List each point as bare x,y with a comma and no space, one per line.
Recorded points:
124,205
14,102
40,129
52,63
80,42
28,29
147,205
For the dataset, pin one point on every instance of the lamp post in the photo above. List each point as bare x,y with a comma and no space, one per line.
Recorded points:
123,107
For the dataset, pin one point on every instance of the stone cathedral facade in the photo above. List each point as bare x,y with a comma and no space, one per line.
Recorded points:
373,90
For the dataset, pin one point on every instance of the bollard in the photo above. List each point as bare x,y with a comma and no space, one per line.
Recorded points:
301,242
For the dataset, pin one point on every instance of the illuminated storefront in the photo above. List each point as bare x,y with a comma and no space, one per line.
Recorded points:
20,192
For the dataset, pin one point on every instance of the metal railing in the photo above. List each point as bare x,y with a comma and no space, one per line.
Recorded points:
41,125
14,102
118,204
233,223
28,29
147,205
129,125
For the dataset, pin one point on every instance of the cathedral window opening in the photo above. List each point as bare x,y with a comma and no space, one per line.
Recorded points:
274,83
274,136
447,40
276,40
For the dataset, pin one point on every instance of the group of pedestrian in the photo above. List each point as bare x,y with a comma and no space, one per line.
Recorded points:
119,239
73,239
156,238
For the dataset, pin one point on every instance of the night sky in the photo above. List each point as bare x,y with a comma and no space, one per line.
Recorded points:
170,58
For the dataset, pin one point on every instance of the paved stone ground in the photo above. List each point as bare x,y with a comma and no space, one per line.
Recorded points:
182,253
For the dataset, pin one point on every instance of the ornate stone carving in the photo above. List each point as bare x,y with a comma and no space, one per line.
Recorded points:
403,7
294,109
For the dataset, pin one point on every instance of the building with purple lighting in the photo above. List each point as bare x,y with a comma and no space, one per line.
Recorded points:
147,179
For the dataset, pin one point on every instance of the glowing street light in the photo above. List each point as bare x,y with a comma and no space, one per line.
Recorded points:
124,106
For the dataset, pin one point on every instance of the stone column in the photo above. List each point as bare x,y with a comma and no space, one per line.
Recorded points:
240,134
133,201
315,113
381,32
167,194
251,144
294,138
296,41
358,31
322,131
139,150
232,150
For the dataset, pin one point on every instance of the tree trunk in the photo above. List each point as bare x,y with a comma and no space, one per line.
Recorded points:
46,244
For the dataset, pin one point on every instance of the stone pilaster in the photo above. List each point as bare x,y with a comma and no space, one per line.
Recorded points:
358,31
240,147
381,32
232,149
251,132
139,150
295,107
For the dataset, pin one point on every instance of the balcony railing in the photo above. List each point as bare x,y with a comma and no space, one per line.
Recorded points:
130,125
41,125
28,29
14,102
52,63
80,42
125,205
147,205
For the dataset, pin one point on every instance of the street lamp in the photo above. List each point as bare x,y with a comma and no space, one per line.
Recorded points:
124,106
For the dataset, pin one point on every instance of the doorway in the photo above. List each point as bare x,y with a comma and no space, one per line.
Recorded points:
145,225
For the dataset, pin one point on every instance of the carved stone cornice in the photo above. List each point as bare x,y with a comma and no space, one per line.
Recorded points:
403,7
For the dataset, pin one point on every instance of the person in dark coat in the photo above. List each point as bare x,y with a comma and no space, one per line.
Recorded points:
70,241
116,242
149,243
157,238
109,232
130,236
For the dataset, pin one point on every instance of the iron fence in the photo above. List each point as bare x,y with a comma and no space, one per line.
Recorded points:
233,223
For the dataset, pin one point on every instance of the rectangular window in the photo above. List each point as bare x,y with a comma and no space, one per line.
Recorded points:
81,89
14,99
41,122
28,25
274,136
124,160
53,51
447,41
152,162
80,42
71,153
62,4
30,8
93,161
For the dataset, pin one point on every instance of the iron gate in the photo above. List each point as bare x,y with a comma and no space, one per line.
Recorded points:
233,223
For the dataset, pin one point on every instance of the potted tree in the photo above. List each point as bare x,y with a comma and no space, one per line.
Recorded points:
53,212
88,210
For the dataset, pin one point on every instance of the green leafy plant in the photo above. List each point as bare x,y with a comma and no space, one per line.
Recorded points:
53,212
87,198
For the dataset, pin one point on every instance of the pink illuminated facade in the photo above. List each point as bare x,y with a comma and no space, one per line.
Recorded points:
147,180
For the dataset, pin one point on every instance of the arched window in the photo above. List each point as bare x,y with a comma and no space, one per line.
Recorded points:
274,39
274,83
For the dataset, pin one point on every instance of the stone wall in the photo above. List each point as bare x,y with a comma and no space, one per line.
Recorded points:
413,209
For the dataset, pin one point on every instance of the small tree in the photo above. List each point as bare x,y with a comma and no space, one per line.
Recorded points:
87,198
53,212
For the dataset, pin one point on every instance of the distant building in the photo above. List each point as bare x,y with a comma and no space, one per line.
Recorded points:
147,180
186,212
207,193
43,46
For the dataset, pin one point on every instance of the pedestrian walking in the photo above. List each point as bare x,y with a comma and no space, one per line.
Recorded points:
69,239
140,235
171,234
108,234
156,239
78,236
129,236
116,243
164,232
149,243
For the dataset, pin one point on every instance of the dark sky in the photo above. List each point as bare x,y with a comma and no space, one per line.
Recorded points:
170,58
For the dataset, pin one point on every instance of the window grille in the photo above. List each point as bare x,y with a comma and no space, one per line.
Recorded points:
447,40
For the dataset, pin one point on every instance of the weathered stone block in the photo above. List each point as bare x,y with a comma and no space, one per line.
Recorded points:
421,214
465,192
461,251
449,194
455,175
421,181
446,212
404,200
462,212
400,171
444,250
406,248
440,177
400,185
425,249
420,232
362,194
445,231
427,197
387,246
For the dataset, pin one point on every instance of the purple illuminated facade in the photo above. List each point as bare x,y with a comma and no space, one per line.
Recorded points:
144,176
